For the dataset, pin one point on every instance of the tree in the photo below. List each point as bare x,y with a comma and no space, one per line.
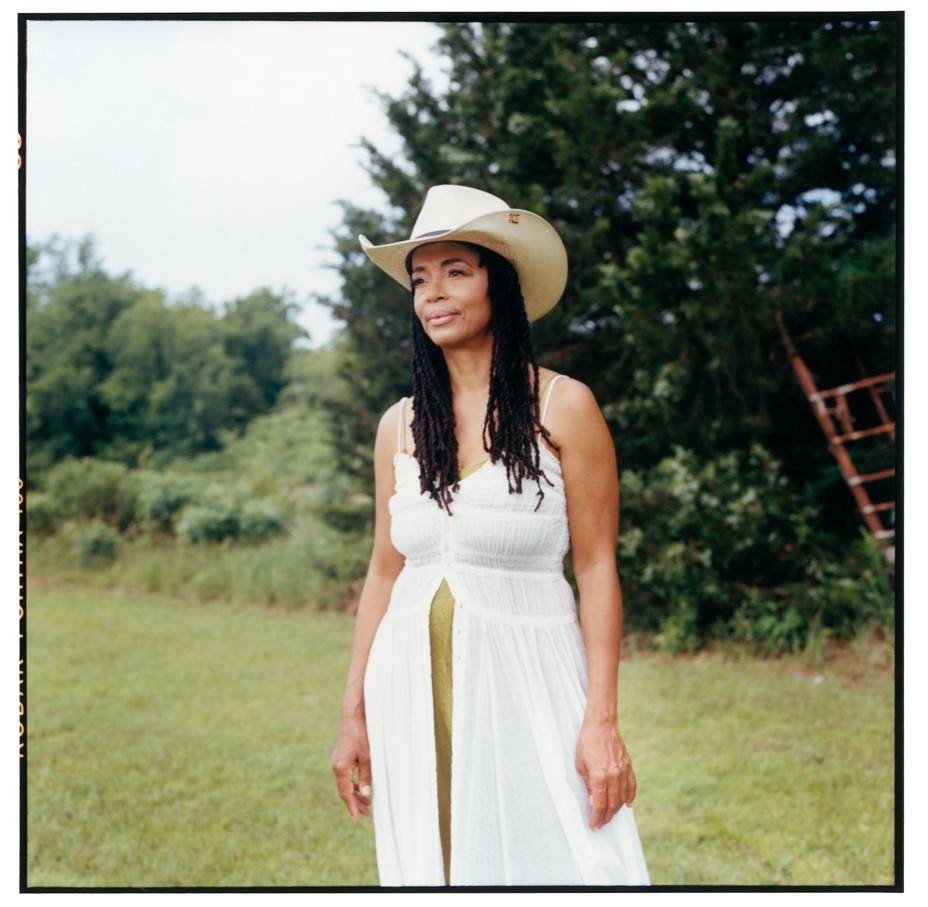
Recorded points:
374,348
70,305
114,370
704,176
260,333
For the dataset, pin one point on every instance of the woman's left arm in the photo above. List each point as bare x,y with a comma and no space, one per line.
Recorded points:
592,487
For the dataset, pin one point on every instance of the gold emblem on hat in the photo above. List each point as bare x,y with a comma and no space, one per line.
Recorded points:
513,217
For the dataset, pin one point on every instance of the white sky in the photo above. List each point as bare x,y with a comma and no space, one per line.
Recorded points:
210,154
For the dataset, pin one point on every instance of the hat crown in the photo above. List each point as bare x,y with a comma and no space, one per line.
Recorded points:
449,207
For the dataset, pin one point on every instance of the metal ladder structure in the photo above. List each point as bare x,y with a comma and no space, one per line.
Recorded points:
833,413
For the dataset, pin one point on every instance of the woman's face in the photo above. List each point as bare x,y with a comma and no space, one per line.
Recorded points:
451,296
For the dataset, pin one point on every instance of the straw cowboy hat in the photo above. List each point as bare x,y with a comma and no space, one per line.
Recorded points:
461,214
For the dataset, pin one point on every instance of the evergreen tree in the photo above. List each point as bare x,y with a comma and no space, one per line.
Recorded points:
703,175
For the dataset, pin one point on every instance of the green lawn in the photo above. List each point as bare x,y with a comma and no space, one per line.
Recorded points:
174,743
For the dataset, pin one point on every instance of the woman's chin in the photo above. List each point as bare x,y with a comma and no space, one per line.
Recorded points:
445,334
454,335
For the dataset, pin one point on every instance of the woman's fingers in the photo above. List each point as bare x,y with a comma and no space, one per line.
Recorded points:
355,794
631,787
344,781
350,756
362,801
610,790
620,779
599,804
363,787
600,784
607,798
364,777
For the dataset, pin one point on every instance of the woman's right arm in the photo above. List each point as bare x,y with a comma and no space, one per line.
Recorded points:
352,753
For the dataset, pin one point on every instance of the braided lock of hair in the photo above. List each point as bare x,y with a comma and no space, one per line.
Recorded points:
513,421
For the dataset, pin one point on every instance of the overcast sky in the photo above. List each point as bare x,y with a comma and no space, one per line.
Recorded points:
210,154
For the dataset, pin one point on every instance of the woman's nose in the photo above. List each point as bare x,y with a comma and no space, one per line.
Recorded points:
436,289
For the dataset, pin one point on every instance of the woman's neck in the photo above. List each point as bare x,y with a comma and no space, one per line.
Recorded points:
469,373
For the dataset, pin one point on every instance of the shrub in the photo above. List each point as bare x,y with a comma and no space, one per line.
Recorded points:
260,519
836,600
221,514
210,521
93,490
340,504
771,624
42,516
693,531
93,544
162,496
854,593
723,548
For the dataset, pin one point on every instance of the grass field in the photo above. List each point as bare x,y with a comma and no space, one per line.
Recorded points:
173,743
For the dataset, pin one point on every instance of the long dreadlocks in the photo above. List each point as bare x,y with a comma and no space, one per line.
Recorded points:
512,423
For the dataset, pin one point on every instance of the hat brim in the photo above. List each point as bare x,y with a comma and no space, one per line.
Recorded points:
526,240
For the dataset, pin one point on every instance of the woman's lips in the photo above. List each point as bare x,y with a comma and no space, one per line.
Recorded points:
437,319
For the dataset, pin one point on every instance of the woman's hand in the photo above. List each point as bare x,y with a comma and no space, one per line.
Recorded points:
351,753
606,769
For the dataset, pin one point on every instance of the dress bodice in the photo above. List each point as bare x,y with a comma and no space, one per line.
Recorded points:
487,527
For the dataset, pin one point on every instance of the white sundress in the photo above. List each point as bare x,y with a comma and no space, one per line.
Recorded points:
519,809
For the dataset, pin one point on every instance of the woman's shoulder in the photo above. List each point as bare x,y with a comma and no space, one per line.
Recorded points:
565,393
569,406
390,431
392,413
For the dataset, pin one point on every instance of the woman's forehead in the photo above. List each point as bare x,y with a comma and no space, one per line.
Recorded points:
429,253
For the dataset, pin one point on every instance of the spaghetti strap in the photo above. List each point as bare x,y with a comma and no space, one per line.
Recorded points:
401,427
550,387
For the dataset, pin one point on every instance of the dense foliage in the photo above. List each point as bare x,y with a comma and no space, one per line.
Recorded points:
114,370
704,177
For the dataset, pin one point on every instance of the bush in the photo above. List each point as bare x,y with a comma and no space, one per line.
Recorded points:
313,565
772,625
852,594
220,514
340,504
260,519
723,549
92,489
93,544
42,516
694,531
836,600
163,496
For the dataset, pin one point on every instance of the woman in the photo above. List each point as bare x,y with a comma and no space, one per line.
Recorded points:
477,713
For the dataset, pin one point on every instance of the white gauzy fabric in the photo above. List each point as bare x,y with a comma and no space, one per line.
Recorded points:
519,809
